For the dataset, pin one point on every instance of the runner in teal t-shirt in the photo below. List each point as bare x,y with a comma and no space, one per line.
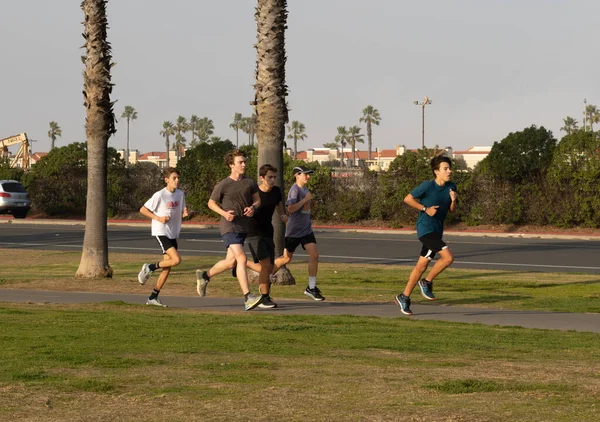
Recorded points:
433,199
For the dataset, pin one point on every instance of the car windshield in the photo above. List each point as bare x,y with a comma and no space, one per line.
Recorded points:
13,187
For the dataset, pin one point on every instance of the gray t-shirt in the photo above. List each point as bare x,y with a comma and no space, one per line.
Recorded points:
299,224
232,195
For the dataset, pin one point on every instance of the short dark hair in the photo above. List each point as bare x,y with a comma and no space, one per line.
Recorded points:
438,160
265,168
169,171
230,157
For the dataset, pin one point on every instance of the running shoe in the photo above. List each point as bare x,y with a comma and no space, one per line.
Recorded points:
427,289
253,301
404,303
144,274
202,280
267,303
155,302
314,293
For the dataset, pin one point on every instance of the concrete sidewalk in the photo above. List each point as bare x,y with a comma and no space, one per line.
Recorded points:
527,319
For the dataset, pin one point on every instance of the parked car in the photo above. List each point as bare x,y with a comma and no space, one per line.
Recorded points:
14,199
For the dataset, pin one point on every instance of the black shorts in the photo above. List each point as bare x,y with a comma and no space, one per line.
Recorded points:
291,243
166,243
432,244
261,248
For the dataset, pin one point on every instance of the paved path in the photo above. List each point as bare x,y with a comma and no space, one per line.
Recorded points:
528,319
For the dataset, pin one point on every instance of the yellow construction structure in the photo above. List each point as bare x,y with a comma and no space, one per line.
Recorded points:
21,159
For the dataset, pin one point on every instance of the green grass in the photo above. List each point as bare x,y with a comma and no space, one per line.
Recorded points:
559,292
128,362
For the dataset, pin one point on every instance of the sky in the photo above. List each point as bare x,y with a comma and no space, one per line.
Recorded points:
490,67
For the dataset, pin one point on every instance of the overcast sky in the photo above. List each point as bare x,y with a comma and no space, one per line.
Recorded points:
490,67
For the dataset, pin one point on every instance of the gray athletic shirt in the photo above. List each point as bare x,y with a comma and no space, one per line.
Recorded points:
235,195
299,224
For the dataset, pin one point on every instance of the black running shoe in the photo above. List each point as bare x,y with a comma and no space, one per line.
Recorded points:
314,293
404,303
267,302
234,271
426,289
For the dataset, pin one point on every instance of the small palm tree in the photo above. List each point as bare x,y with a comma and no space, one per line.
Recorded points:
342,139
370,116
354,136
130,114
248,125
181,126
570,126
54,132
296,132
168,130
235,125
205,129
193,126
593,115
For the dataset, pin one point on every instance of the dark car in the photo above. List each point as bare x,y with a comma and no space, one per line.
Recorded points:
14,199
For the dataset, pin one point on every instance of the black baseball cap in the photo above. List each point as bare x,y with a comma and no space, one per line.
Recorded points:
301,170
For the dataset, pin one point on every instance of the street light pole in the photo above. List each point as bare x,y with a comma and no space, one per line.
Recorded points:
425,102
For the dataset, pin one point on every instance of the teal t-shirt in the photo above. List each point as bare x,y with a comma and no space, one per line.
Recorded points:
430,194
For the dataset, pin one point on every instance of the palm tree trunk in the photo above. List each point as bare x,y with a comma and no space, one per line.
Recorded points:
269,101
100,125
237,138
342,155
369,137
127,149
353,156
167,145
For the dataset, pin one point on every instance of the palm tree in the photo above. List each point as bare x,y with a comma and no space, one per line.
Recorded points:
181,126
99,127
296,132
53,133
235,125
342,139
570,125
269,99
370,116
168,130
354,136
130,114
193,126
205,129
248,125
593,115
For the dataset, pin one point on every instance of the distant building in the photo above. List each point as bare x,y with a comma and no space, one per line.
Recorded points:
381,159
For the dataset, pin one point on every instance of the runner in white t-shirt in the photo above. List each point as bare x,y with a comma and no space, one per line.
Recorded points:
166,208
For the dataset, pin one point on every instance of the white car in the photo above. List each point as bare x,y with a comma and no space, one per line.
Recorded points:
14,199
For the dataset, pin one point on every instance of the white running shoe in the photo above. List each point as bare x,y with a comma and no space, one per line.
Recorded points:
155,302
144,274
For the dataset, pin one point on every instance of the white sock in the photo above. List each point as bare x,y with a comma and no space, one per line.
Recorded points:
312,282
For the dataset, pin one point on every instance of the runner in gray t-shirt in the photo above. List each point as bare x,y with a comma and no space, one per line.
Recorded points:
235,199
299,230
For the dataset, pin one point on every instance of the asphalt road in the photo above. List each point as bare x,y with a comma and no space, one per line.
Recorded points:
479,251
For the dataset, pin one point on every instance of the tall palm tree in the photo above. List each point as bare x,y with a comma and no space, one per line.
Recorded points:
235,125
370,116
570,125
593,115
342,139
354,136
205,129
130,114
296,132
181,126
248,125
168,130
99,127
193,126
53,133
269,99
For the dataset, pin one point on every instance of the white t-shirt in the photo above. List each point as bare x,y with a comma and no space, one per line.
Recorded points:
164,203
